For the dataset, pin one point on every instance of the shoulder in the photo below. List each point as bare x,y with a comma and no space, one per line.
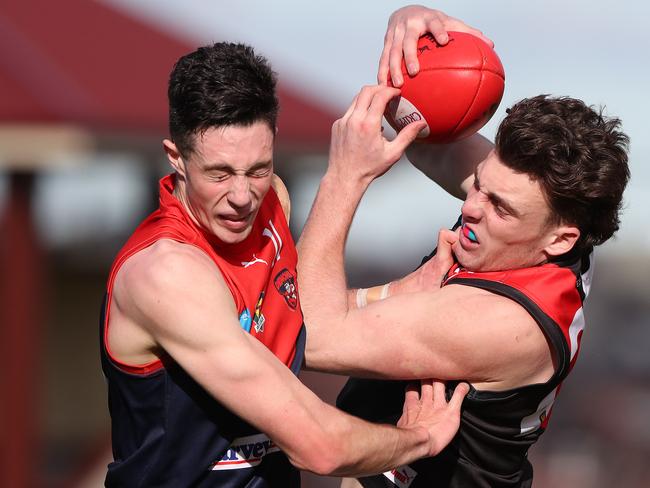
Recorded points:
166,273
283,195
164,262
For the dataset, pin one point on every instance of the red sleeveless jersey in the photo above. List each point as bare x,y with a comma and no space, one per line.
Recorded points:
167,431
259,271
496,427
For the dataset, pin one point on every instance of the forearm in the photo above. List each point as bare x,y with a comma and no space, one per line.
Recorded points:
324,295
358,154
450,165
321,438
363,448
361,297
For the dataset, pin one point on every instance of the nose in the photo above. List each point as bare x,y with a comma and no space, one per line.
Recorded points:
239,194
472,208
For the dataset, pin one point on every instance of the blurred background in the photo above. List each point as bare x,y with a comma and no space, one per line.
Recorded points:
82,116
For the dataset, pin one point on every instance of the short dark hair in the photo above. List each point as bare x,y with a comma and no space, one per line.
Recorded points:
216,86
578,156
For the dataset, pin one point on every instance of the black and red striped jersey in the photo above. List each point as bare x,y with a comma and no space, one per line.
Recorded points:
167,431
497,427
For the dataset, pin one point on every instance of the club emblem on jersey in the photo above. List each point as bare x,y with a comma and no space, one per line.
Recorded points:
285,283
258,316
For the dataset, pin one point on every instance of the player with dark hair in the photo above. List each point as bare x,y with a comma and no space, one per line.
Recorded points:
201,329
204,94
504,305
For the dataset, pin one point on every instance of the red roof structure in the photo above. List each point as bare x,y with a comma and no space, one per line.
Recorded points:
81,62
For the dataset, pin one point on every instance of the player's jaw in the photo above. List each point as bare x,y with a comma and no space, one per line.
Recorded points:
233,225
468,249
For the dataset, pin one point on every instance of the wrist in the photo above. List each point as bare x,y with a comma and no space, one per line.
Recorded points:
345,181
420,440
364,296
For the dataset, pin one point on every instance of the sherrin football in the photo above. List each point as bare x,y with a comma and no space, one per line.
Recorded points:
457,90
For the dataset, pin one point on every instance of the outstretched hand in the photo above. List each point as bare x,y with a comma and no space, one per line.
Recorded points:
358,149
405,27
428,408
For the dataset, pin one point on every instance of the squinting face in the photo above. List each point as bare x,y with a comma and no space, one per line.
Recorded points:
227,177
505,220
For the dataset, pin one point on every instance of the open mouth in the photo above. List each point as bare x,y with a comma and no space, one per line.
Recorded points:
235,222
469,233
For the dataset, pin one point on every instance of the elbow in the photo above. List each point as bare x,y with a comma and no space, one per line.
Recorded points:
313,359
325,458
317,350
322,463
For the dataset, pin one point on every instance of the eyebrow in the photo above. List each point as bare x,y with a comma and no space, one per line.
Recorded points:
496,199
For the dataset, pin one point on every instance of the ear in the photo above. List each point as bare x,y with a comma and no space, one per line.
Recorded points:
174,157
562,239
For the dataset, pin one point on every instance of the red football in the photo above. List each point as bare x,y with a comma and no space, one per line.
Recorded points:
457,90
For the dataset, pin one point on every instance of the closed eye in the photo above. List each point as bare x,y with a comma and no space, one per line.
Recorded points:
260,172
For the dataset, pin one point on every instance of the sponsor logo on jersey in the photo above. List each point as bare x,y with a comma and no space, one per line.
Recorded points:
271,232
258,316
253,261
285,283
245,320
402,476
539,418
246,452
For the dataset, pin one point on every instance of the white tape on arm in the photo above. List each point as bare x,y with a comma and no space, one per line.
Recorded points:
384,291
362,297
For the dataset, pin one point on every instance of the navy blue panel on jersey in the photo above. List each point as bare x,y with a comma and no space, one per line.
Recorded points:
169,432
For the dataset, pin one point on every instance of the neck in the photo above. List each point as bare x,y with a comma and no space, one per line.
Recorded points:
180,193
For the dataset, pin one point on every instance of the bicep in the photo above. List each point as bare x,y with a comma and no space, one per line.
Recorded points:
190,313
457,332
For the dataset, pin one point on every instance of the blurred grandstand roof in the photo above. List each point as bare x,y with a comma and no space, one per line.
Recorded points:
83,63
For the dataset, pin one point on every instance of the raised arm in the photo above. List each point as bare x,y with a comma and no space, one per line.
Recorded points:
176,296
452,165
405,26
411,335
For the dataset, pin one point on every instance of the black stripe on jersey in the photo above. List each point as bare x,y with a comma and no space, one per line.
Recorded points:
548,325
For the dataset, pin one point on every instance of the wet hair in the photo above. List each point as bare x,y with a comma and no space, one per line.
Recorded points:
578,156
216,86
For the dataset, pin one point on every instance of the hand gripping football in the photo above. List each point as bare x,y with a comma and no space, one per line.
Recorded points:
457,90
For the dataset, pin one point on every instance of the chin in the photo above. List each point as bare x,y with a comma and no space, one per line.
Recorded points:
233,237
465,259
229,236
470,266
